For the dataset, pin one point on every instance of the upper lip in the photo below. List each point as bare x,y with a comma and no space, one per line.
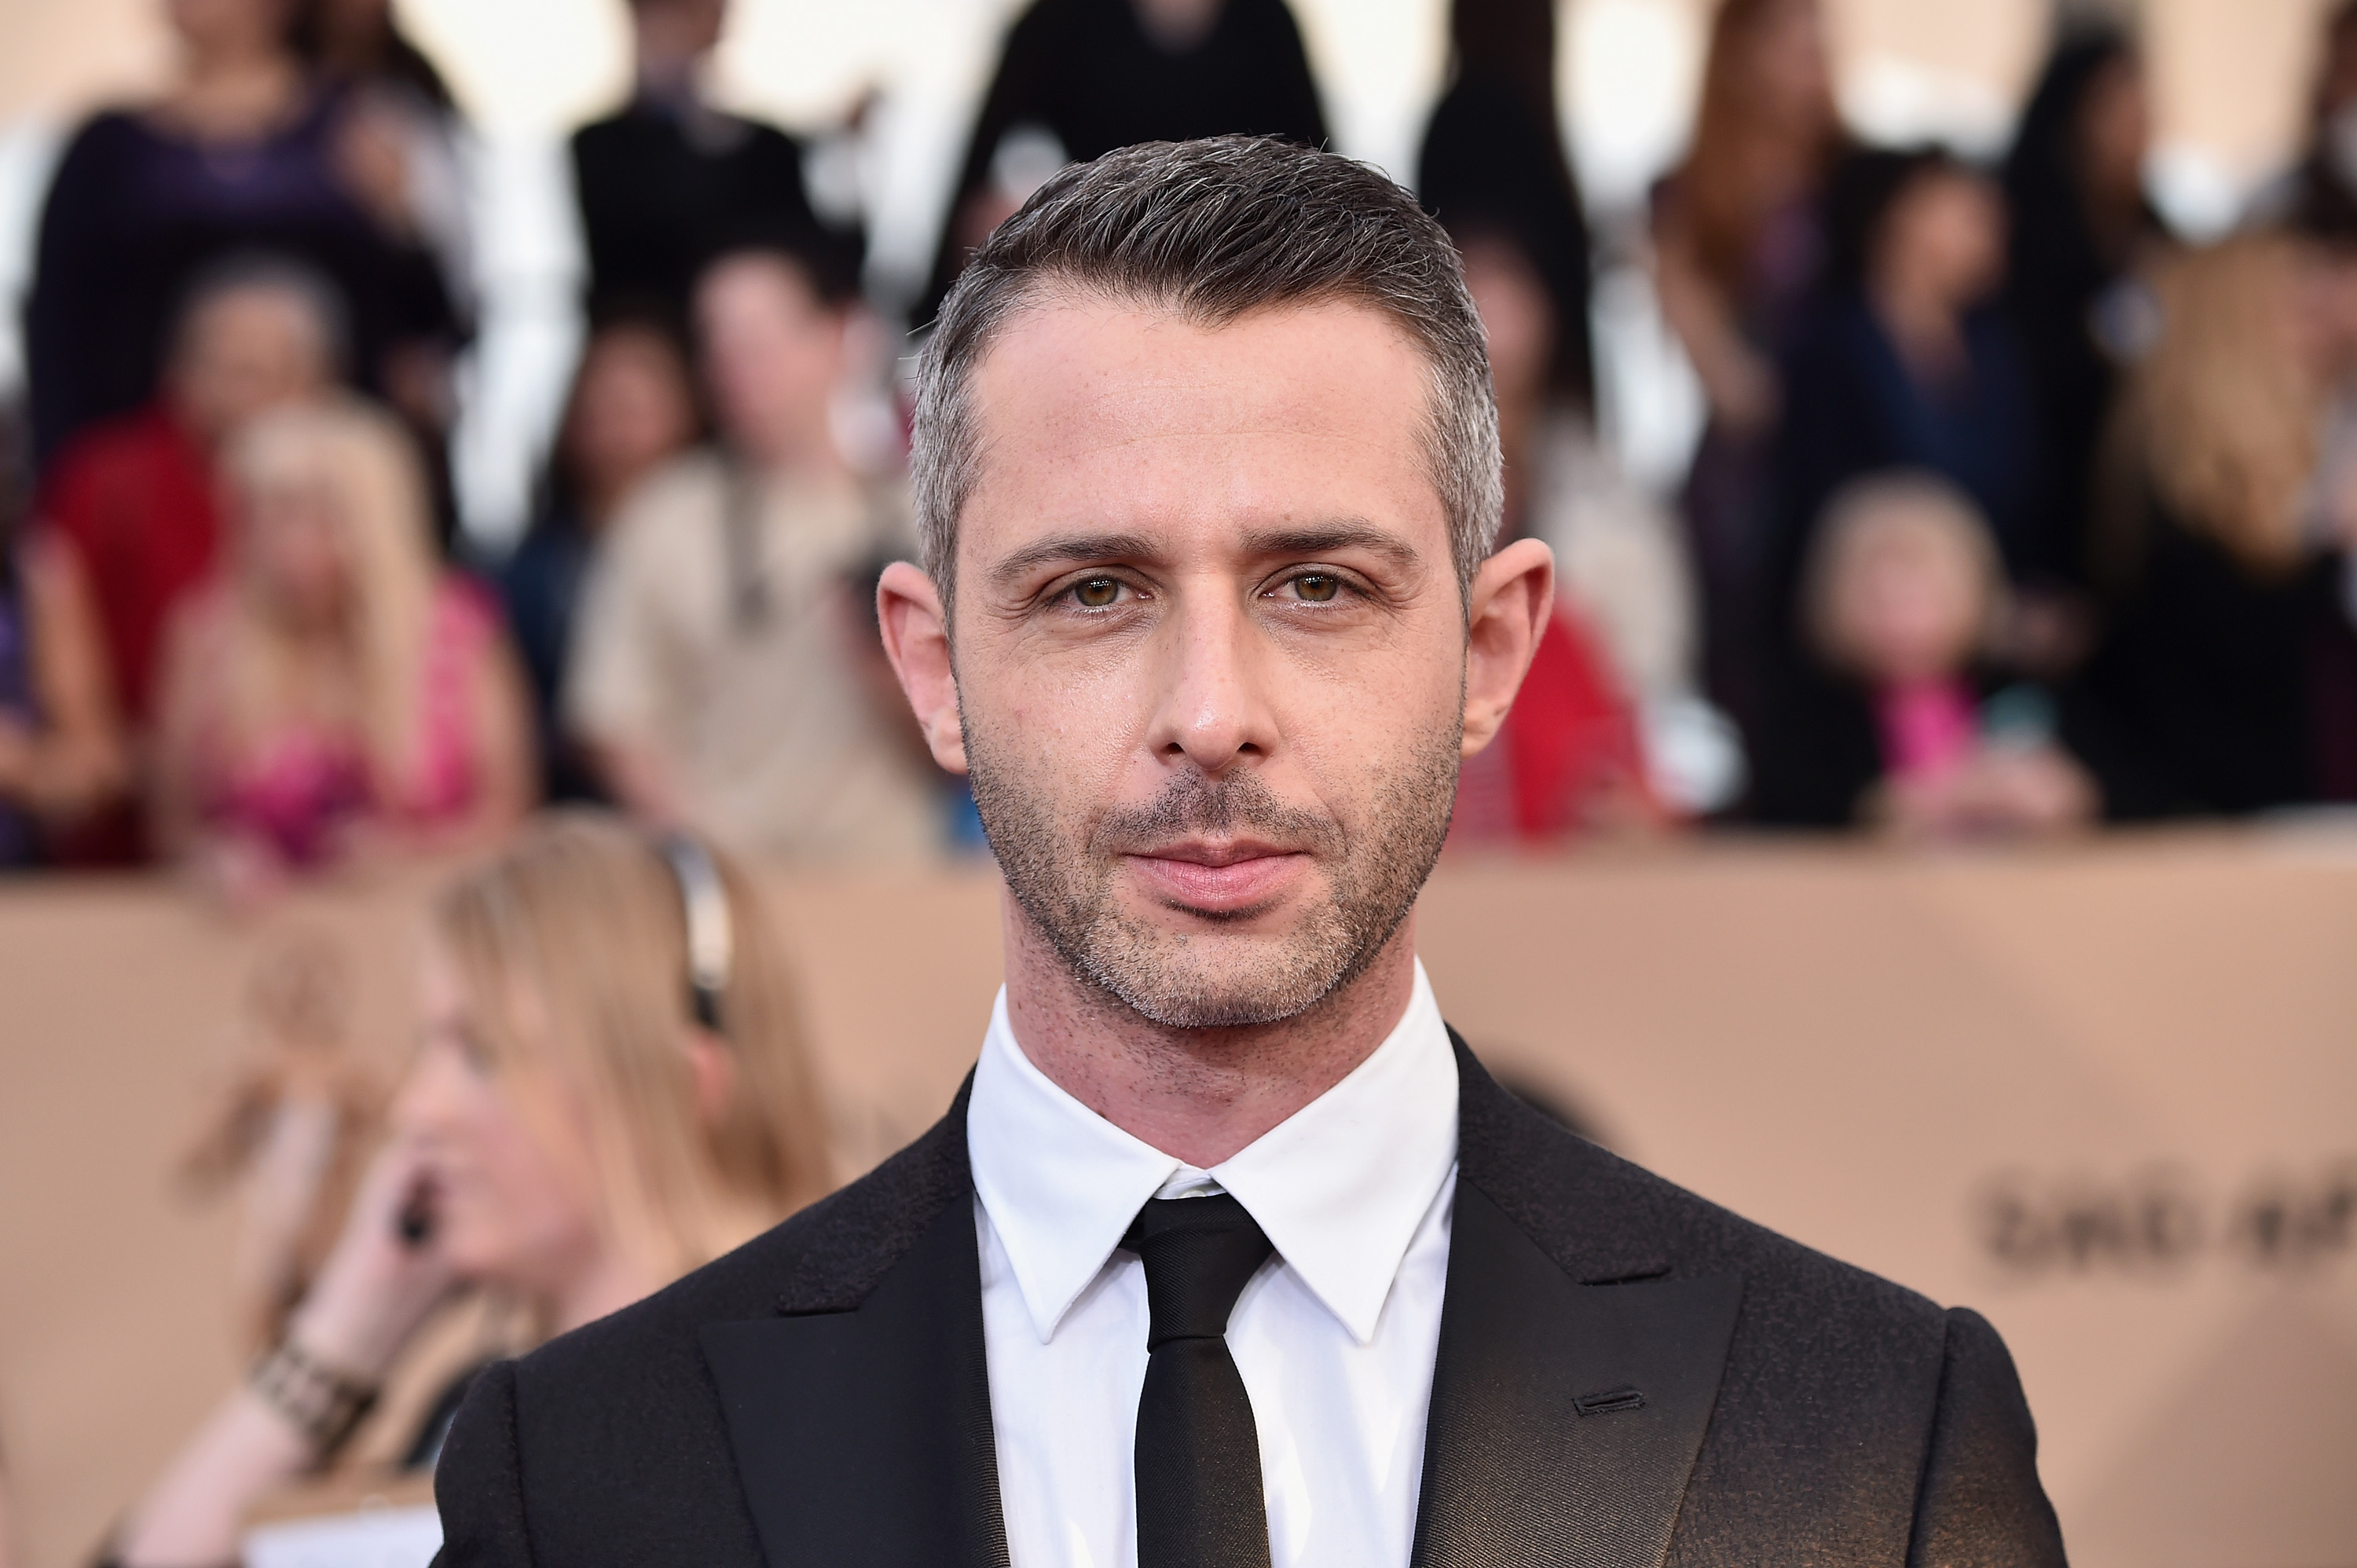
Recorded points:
1214,851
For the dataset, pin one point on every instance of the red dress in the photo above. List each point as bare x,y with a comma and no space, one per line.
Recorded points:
135,499
1569,752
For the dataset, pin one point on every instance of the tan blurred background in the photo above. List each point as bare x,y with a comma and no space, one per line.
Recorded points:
2106,1095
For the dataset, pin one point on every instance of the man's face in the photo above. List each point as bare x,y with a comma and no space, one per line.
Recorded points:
1210,650
772,351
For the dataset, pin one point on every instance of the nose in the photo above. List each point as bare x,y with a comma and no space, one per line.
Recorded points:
1211,690
425,1107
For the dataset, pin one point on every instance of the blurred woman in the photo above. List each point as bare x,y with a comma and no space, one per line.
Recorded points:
611,1090
2081,229
63,757
1737,244
248,151
335,691
2217,548
1894,720
632,409
1905,360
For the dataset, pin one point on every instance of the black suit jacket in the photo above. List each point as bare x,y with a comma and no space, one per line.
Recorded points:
1627,1375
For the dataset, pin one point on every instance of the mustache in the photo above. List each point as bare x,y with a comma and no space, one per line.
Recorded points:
1195,805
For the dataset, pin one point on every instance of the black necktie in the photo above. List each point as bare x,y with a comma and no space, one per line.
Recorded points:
1199,1494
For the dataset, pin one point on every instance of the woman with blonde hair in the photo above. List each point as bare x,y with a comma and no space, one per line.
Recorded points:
335,683
611,1088
2217,541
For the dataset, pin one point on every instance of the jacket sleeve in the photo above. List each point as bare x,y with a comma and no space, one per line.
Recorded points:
1980,1504
478,1483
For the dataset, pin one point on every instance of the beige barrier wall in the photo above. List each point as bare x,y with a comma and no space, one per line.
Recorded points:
2109,1097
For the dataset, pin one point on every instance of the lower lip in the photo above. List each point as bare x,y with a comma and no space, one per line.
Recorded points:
1221,889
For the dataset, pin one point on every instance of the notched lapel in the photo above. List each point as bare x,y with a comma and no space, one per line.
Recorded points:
865,1436
1564,1417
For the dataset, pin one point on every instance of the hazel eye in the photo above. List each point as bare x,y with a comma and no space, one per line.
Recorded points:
1096,593
1317,587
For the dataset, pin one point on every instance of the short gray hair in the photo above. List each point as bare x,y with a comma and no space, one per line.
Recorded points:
1210,230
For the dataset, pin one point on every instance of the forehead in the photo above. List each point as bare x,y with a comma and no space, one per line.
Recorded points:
1095,411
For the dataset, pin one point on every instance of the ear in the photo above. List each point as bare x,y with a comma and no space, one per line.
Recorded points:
917,640
1507,613
713,1068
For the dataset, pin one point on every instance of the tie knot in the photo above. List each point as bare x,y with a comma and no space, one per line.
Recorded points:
1198,1254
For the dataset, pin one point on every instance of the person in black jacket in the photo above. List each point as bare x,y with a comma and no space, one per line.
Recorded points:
671,182
1493,158
2220,547
2080,227
1093,75
1230,1252
1905,360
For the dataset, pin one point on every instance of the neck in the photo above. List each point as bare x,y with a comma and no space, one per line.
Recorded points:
804,450
1926,328
606,1285
234,86
1198,1095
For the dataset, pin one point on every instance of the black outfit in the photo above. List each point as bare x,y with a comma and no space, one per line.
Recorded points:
540,588
2071,298
1489,162
2201,692
1818,752
1852,408
1085,71
1626,1375
666,187
135,214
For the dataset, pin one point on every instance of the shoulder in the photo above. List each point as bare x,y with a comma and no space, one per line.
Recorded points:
1608,1221
670,516
825,1259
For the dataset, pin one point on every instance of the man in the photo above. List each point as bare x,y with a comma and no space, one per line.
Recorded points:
1229,1254
717,678
669,181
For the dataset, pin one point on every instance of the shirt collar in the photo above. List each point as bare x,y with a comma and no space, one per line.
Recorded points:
1341,1185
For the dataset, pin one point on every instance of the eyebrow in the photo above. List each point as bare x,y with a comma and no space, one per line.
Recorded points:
1317,539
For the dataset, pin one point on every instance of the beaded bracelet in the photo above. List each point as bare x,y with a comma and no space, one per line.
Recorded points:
320,1403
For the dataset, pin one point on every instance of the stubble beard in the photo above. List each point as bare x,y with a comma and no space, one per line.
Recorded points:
1063,877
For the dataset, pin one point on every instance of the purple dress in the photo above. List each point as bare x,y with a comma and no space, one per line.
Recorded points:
17,839
136,212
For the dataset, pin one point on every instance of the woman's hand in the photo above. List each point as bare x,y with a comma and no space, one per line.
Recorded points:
378,1285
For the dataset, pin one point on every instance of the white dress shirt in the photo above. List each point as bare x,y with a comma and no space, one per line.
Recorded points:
1334,1336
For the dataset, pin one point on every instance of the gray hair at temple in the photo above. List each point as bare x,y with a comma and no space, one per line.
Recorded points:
1211,231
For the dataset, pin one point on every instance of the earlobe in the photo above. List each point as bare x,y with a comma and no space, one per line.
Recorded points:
916,639
713,1073
1506,614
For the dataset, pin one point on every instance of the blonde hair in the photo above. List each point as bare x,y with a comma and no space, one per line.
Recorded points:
572,943
364,468
2223,415
1907,511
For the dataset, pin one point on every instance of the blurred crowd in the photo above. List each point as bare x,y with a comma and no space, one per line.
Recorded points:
2013,512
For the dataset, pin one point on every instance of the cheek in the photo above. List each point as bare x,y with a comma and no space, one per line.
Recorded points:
517,1199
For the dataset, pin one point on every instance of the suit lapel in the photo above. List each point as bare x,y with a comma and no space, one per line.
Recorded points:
863,1436
1564,1417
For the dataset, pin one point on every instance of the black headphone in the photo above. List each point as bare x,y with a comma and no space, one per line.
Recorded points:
711,935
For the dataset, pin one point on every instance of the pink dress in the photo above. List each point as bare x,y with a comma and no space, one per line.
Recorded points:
1928,728
307,782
